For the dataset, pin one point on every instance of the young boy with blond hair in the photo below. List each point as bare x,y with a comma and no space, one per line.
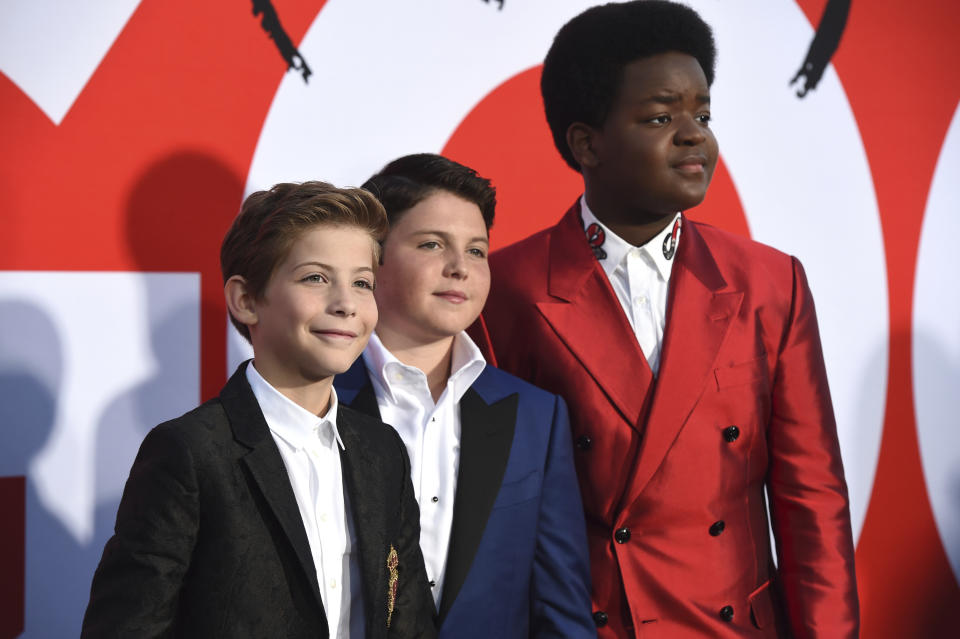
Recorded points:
272,510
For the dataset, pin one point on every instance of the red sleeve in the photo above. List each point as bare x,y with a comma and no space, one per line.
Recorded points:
809,507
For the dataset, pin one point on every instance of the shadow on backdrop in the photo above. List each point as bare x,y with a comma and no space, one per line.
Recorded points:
31,362
177,214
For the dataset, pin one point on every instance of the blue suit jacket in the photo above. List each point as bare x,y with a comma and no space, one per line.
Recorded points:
517,566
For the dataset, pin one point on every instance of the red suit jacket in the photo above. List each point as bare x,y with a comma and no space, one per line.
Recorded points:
672,470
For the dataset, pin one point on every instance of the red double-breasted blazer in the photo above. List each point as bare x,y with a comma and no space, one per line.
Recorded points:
672,470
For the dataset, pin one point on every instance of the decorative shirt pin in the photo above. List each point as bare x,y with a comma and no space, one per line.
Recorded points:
596,237
670,241
393,563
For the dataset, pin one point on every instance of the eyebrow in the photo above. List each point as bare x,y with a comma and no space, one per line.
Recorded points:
673,98
329,267
445,235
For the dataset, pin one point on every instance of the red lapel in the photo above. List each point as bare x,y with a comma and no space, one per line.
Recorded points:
699,312
590,321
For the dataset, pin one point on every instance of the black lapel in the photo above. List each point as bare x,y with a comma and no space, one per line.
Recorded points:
368,508
365,401
486,435
354,389
266,467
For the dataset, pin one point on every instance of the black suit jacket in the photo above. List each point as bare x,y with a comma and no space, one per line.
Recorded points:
209,541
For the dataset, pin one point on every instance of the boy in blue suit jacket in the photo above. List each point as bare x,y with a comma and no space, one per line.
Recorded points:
502,528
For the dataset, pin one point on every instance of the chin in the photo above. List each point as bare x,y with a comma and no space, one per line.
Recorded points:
692,200
436,333
320,371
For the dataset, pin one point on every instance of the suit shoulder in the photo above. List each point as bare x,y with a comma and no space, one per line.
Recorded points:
496,380
531,249
719,238
204,421
519,273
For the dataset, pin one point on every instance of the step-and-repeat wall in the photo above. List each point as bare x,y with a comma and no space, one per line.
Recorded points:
130,131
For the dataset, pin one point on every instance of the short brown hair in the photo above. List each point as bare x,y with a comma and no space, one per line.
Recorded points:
409,180
269,223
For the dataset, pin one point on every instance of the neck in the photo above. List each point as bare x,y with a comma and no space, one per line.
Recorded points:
313,396
634,226
433,358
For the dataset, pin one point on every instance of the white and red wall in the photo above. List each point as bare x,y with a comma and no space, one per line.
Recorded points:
131,130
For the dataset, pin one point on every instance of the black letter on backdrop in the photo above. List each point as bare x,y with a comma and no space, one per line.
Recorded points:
271,24
824,45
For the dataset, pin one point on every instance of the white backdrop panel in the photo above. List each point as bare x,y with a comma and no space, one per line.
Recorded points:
89,361
936,345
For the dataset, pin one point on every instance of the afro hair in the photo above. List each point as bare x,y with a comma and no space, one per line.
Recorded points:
583,69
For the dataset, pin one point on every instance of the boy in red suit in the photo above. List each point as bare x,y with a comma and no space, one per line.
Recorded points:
690,357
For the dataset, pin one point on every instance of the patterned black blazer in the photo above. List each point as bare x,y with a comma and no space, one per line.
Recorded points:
209,541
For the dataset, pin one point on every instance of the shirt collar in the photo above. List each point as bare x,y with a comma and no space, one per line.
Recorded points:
288,420
466,364
611,250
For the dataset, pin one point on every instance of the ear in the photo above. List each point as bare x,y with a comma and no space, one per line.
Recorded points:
581,140
240,302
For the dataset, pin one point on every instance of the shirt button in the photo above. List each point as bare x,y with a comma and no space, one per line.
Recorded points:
434,499
433,584
717,528
323,517
333,583
731,433
622,535
726,613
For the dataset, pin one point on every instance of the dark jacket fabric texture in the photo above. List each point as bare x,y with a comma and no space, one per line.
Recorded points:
209,541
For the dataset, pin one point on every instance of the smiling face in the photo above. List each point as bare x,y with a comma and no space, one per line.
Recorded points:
655,153
318,308
434,279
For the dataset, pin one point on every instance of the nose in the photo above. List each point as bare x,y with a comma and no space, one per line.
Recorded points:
689,132
342,302
456,266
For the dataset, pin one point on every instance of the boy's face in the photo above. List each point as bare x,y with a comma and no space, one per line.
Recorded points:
435,278
318,309
655,154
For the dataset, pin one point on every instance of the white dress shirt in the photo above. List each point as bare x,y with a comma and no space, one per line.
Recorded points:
640,276
431,433
308,446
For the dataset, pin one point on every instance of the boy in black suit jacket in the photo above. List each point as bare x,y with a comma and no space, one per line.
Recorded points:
272,511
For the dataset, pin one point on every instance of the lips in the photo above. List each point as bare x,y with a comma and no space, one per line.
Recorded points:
334,333
454,297
691,164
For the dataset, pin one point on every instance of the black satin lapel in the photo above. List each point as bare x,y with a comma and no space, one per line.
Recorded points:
367,507
486,435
